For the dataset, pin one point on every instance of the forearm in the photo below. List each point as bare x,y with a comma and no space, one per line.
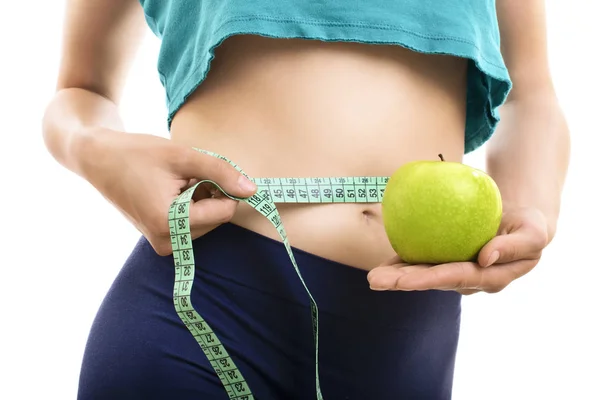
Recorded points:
529,155
71,121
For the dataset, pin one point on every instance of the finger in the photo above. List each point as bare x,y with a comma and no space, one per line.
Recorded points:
465,276
527,242
194,164
498,277
210,212
468,292
453,276
385,277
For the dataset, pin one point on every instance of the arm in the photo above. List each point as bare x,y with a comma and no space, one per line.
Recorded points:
83,130
528,158
529,154
100,40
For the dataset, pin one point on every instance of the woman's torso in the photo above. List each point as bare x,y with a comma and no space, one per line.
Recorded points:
305,108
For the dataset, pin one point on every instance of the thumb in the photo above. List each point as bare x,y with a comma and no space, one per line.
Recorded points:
520,244
194,164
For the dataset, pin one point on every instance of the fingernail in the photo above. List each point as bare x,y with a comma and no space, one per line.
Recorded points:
374,284
246,184
493,258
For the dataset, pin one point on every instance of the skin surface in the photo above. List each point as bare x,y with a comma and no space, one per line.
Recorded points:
325,109
301,109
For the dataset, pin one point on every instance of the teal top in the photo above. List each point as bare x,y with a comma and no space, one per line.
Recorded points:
190,31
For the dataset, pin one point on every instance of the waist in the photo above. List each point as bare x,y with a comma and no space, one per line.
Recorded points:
300,108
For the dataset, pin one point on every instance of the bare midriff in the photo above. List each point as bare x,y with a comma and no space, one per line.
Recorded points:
303,108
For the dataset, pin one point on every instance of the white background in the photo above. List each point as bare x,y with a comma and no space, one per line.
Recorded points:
62,244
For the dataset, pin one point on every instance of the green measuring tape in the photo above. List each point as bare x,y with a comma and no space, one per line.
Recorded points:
269,192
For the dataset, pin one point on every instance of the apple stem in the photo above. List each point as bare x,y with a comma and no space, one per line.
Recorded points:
441,157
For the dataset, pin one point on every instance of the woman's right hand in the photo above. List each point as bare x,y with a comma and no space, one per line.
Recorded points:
142,174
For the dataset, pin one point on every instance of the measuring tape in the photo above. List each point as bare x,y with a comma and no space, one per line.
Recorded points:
269,191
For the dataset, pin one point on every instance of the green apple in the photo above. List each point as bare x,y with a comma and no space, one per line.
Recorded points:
439,211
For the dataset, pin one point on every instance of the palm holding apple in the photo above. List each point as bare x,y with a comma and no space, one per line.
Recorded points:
447,223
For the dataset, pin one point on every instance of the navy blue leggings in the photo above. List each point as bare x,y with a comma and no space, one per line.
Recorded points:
373,345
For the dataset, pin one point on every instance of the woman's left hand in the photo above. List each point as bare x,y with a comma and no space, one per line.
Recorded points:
515,251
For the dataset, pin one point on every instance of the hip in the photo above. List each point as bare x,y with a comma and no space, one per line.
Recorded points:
372,344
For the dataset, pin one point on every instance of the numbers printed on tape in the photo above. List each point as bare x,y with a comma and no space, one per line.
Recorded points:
322,190
269,192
